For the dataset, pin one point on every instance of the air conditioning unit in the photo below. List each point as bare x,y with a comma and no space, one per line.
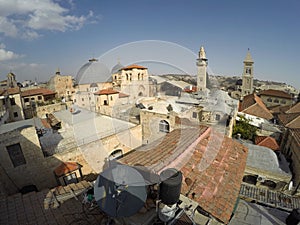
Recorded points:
261,179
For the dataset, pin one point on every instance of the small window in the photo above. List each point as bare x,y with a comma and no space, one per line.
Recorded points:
276,101
105,102
82,99
164,126
218,117
39,97
16,114
269,100
26,100
16,155
283,102
71,178
115,77
195,115
111,98
12,101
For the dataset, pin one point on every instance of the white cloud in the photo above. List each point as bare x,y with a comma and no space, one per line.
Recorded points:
7,55
25,18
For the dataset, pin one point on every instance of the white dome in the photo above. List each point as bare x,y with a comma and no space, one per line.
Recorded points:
93,72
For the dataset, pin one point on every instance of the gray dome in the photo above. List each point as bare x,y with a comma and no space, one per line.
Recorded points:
93,72
93,85
116,68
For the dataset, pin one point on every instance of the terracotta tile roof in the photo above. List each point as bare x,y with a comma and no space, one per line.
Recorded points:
296,134
12,91
294,108
123,95
267,141
279,108
133,66
37,91
253,105
216,170
66,167
290,120
106,92
275,93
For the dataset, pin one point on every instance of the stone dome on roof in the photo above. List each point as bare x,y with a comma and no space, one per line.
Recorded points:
116,68
93,72
93,85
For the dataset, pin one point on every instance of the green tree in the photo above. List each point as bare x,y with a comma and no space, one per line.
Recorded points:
245,129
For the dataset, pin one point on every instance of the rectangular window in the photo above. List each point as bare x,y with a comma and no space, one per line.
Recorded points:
16,155
26,100
105,102
71,178
218,117
16,114
12,101
39,97
194,115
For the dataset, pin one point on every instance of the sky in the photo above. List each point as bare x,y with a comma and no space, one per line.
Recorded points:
37,37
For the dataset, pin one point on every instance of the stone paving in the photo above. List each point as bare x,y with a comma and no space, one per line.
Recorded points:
29,209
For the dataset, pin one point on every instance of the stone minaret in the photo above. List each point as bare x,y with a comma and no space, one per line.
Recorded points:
247,77
202,65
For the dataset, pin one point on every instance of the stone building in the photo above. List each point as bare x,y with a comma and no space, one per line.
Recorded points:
132,80
247,77
290,146
266,169
272,97
202,67
62,85
11,104
33,98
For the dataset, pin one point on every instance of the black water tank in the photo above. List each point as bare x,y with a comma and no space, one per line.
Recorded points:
170,186
294,217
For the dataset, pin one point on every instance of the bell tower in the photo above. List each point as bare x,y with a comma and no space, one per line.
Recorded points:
247,77
202,66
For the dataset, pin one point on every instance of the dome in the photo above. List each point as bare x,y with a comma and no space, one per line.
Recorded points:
93,85
116,68
93,72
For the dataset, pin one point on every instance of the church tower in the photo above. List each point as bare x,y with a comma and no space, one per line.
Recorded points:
247,77
202,65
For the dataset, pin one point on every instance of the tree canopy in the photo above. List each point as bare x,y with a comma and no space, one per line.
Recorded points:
245,129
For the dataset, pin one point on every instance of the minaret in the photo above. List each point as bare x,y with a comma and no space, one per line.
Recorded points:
202,65
247,77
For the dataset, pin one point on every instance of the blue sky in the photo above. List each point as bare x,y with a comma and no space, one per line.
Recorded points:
37,37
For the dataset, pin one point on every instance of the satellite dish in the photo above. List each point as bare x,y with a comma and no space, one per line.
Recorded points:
120,191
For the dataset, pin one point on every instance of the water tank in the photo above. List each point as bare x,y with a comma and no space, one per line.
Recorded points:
294,217
170,186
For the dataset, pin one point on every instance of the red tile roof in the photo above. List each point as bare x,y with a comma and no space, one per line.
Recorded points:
37,91
253,105
290,120
275,93
123,95
267,141
133,66
294,108
12,91
106,92
216,170
66,167
296,134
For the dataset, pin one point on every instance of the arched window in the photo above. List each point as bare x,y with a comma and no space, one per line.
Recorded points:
116,154
164,126
127,77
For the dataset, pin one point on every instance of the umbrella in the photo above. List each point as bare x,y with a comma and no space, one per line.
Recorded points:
120,191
